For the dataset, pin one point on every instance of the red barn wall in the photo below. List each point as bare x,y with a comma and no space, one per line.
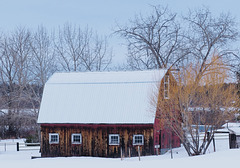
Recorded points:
163,137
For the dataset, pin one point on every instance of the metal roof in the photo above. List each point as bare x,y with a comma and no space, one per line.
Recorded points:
100,97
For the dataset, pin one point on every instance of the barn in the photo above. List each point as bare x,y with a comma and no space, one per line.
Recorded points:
103,114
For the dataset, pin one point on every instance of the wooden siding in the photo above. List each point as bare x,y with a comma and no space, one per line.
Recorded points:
95,140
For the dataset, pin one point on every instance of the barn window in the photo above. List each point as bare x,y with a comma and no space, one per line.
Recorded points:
114,139
166,87
76,138
53,138
138,140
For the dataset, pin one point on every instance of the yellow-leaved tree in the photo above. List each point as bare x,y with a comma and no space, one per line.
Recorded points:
202,96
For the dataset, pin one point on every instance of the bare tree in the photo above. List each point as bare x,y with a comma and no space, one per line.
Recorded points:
155,41
43,64
43,56
81,50
14,64
207,35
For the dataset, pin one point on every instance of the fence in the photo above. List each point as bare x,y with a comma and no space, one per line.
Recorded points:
18,146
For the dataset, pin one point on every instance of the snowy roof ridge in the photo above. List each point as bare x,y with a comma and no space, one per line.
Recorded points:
108,82
104,77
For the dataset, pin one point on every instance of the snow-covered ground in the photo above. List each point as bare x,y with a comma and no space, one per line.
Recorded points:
221,159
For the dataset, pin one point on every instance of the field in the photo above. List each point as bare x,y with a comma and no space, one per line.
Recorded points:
22,159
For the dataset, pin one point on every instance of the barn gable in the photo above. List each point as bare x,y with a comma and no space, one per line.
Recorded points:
100,97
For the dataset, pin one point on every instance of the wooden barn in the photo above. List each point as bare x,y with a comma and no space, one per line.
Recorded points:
103,114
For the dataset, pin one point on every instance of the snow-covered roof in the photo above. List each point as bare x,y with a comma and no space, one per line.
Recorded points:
231,124
232,127
100,97
235,130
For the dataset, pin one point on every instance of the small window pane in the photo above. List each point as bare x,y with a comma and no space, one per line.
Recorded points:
166,94
53,138
76,138
114,139
166,87
138,140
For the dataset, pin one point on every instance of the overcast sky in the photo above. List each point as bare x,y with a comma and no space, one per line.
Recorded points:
100,15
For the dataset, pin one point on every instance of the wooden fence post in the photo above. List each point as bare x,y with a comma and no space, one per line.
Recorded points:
214,146
139,153
17,146
129,152
121,154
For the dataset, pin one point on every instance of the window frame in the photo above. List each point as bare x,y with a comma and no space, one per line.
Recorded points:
112,135
134,140
72,138
166,89
50,138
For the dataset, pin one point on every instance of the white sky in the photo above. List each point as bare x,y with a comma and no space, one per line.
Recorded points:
100,15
